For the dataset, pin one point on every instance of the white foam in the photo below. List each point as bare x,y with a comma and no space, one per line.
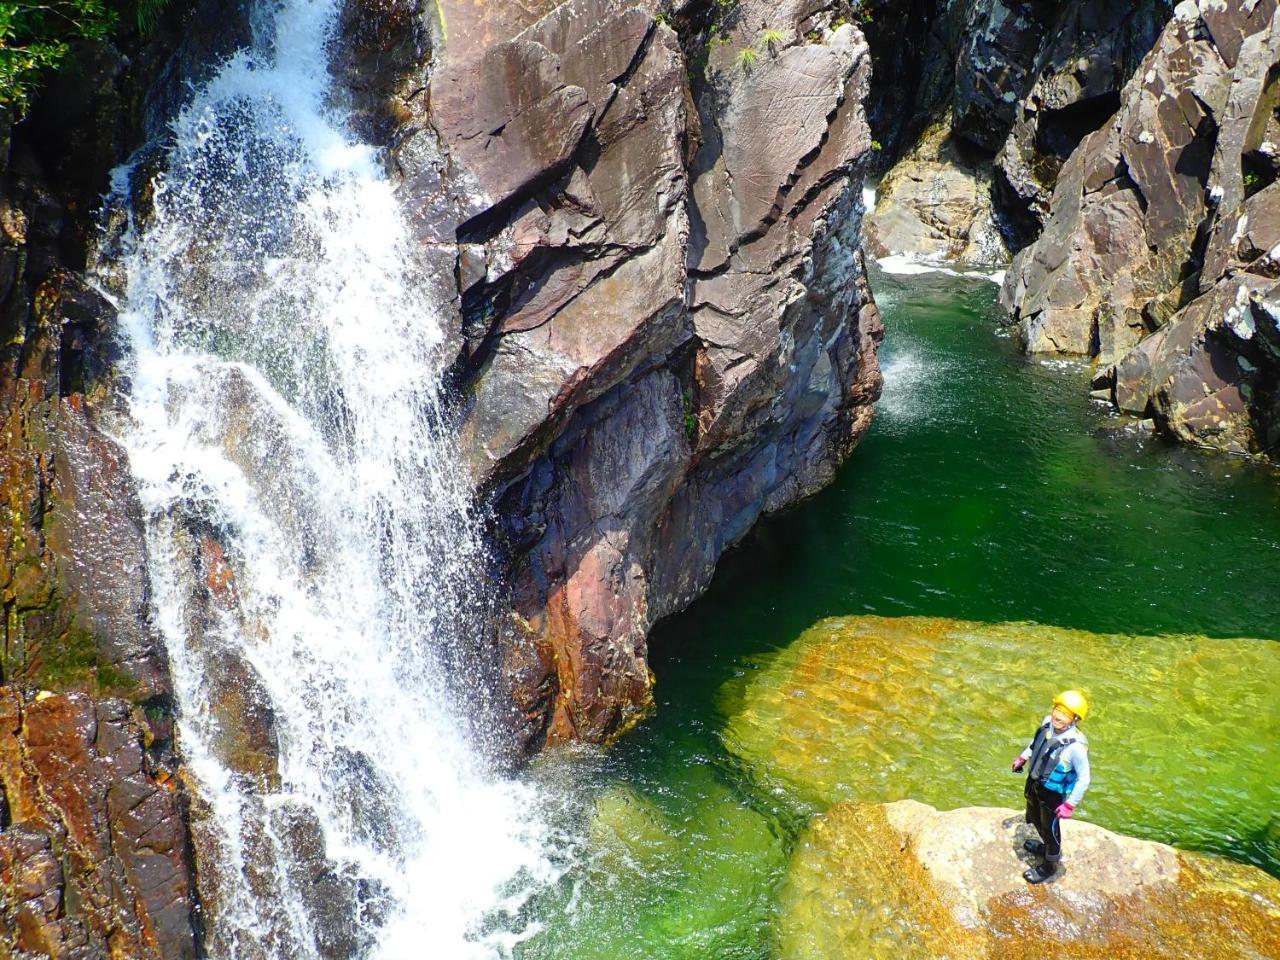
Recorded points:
903,264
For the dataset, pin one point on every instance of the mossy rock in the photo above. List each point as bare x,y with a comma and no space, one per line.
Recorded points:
907,882
1183,730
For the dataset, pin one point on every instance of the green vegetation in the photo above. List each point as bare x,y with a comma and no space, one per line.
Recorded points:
72,662
772,40
690,419
36,38
747,58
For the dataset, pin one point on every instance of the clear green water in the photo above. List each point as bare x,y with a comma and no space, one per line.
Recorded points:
989,489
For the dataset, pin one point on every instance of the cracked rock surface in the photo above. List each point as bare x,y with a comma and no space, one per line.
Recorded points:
93,851
648,225
1160,253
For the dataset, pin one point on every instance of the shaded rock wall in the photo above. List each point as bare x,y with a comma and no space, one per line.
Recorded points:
646,218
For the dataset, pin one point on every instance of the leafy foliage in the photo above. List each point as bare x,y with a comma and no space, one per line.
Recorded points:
36,37
747,58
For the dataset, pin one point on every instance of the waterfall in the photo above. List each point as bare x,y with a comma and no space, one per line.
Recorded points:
313,545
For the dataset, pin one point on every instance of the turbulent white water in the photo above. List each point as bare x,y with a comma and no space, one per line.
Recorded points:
282,407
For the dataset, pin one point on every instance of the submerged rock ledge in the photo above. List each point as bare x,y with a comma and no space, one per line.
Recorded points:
905,880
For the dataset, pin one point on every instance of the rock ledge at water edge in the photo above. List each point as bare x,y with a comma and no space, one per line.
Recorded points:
905,880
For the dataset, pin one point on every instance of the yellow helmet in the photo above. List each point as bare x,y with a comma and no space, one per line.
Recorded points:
1074,701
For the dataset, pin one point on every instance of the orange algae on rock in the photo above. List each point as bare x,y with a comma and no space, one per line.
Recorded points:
906,881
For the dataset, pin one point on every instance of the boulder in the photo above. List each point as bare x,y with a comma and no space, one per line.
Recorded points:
906,880
935,206
1210,377
881,709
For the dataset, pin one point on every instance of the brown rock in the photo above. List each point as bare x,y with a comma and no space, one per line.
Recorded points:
74,561
935,206
94,854
1089,50
1126,208
951,885
666,331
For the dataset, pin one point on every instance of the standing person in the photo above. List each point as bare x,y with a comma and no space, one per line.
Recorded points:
1057,778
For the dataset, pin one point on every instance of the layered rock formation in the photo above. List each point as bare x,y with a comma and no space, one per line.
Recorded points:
1157,256
648,220
950,884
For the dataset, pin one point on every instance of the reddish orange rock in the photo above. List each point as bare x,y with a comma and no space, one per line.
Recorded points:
94,852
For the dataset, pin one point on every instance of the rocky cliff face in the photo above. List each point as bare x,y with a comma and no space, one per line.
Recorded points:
1158,253
641,222
1005,91
1129,150
95,856
648,220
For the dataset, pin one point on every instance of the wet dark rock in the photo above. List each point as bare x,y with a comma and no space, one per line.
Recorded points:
94,853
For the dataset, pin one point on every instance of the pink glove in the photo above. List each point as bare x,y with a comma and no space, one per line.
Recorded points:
1019,763
1065,810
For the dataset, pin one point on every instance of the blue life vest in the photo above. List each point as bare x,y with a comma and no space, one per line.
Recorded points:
1045,768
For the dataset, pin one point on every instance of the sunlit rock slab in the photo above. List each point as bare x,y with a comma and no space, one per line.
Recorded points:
1183,733
906,881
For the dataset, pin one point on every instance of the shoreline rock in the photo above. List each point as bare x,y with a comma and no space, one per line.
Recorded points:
1159,255
906,880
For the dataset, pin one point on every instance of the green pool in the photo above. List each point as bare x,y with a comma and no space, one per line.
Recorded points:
989,489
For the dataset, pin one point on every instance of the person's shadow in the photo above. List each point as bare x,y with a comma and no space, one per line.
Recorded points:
1022,832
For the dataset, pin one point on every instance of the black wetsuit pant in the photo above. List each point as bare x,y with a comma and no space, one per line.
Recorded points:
1042,813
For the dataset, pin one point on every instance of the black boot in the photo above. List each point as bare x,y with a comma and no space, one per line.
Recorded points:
1034,847
1039,873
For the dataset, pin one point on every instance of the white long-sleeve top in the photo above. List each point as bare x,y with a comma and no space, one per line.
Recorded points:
1074,757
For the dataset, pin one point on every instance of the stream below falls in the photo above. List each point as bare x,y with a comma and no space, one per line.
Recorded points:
989,489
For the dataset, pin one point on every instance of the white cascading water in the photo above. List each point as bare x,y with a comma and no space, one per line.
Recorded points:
284,360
